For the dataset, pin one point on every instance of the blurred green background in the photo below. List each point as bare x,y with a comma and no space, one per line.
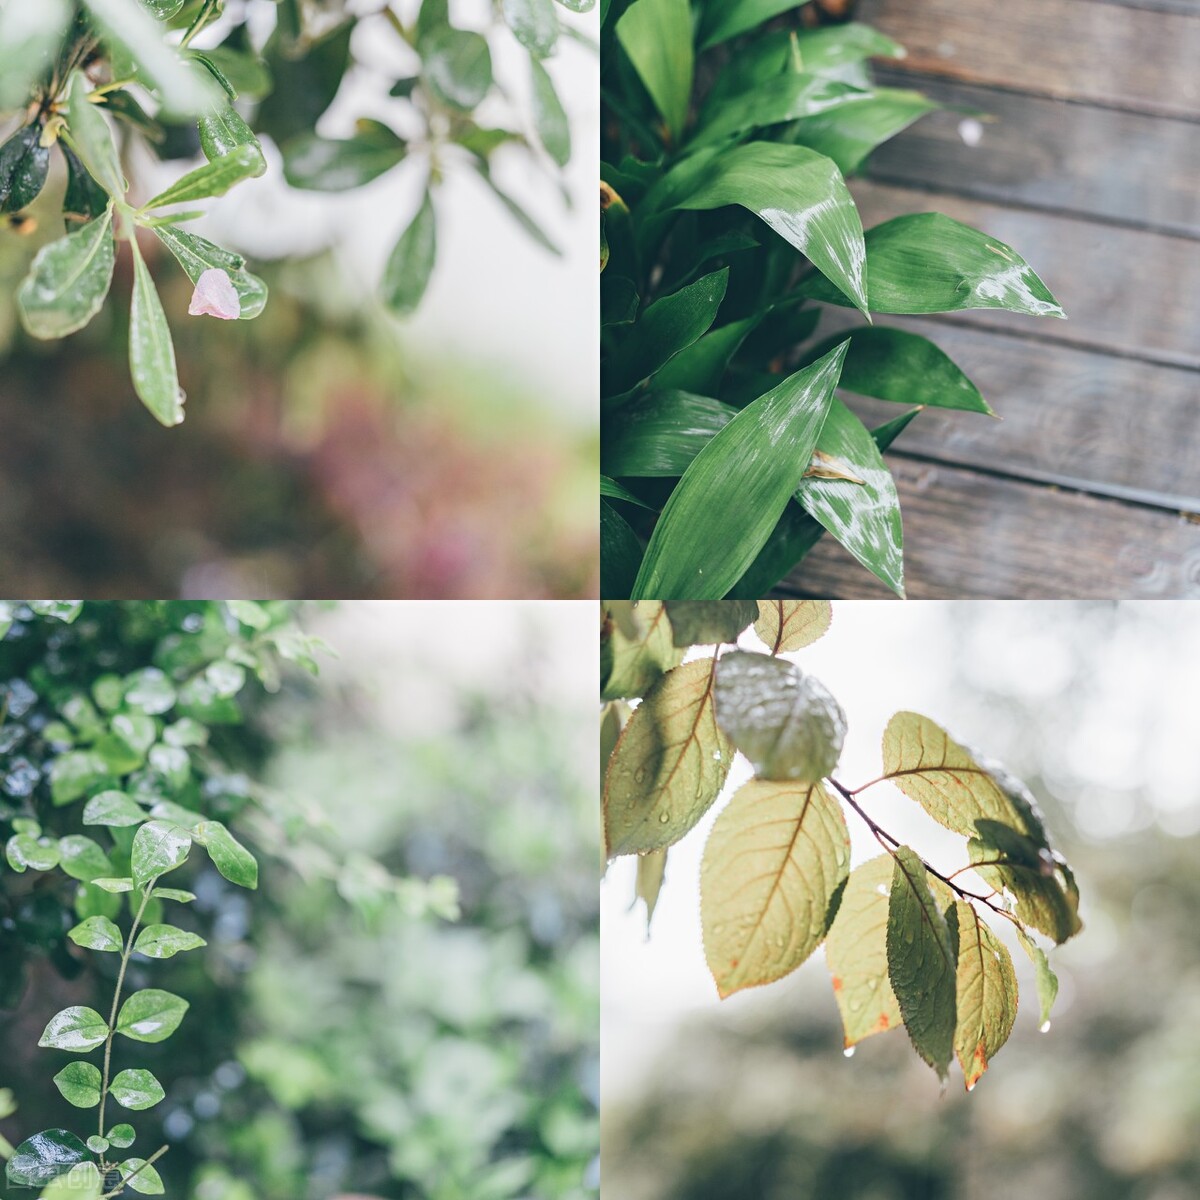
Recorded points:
343,1043
1095,706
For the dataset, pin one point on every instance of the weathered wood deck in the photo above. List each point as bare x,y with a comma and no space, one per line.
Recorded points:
1089,165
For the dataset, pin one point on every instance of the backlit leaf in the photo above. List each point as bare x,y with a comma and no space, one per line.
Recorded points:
141,1177
921,962
151,1015
81,1182
785,722
986,994
856,953
773,865
651,872
636,662
669,764
787,625
1045,979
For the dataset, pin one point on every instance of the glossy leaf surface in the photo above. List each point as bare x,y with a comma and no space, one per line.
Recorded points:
136,1089
849,136
76,1028
113,808
197,255
45,1156
158,847
91,138
165,941
213,179
228,855
79,1083
151,351
98,933
659,434
151,1015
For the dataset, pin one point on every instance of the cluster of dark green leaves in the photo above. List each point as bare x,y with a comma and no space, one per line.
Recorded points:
904,944
110,723
83,77
725,215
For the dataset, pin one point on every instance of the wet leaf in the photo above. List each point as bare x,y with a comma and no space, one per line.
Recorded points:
228,855
165,941
773,864
24,165
91,138
98,933
196,255
856,953
1045,979
213,179
121,1136
151,1015
669,764
77,1028
151,351
657,37
158,847
82,858
659,433
921,962
848,135
85,199
784,721
709,622
732,495
328,165
79,1083
802,196
44,1157
864,516
636,662
986,992
407,273
27,852
788,625
928,263
141,1177
222,131
731,17
74,774
136,1089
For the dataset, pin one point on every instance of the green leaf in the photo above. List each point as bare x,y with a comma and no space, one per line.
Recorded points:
81,1182
324,165
458,67
664,328
228,855
307,75
197,255
173,894
534,24
635,662
136,1089
141,1177
165,941
98,933
247,73
137,729
773,865
620,553
29,36
76,1028
44,1157
657,36
82,858
97,1144
617,491
659,433
651,871
731,17
163,10
863,516
802,196
25,851
80,1084
921,962
549,117
24,165
151,351
74,774
986,994
785,722
119,757
669,764
730,498
85,199
856,953
848,135
1044,977
151,1015
121,1136
906,368
410,265
249,612
700,367
213,179
709,622
109,884
158,847
91,138
928,263
789,625
183,89
149,691
222,131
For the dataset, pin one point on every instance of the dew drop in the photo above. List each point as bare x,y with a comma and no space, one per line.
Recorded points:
1045,1027
849,1051
971,1086
663,818
908,936
872,984
855,1005
639,776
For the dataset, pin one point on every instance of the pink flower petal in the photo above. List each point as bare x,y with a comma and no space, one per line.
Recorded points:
215,296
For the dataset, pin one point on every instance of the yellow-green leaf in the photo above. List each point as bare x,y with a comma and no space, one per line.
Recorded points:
986,994
856,953
669,764
774,862
651,871
1045,978
638,661
786,625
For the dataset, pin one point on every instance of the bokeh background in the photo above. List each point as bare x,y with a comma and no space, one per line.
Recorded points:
328,449
341,1044
1094,704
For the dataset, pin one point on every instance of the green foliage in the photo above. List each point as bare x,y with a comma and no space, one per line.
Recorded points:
728,131
904,943
84,77
106,711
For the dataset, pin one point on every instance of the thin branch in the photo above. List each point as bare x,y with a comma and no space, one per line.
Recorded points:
149,1162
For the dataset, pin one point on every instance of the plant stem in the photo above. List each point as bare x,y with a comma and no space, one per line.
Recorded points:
149,1162
202,19
112,1018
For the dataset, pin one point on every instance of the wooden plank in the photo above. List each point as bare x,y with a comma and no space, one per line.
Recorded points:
1125,290
1045,153
1102,53
1108,425
971,536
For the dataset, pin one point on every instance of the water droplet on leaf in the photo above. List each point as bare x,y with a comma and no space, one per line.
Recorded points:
1045,1027
849,1051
